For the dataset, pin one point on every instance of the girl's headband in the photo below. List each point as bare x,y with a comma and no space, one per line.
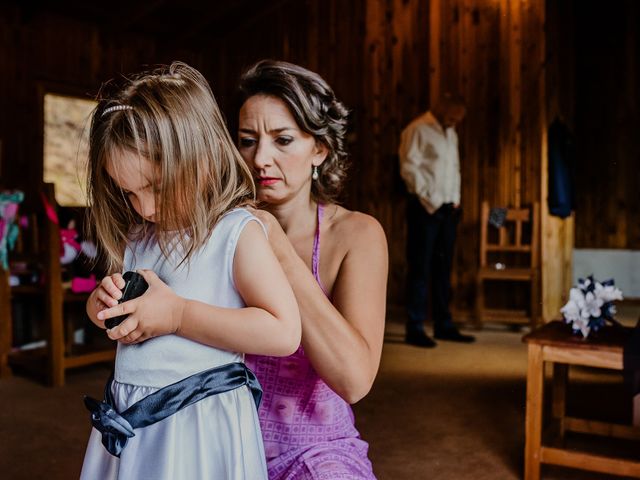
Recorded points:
115,108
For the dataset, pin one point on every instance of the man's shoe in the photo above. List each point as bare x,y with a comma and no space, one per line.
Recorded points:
419,339
453,335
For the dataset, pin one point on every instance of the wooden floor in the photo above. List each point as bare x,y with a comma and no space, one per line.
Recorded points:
452,413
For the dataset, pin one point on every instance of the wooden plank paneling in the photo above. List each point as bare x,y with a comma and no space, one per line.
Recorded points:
607,122
386,59
385,83
557,234
44,48
375,56
493,54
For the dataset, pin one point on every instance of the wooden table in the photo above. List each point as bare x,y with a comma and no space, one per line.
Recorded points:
555,343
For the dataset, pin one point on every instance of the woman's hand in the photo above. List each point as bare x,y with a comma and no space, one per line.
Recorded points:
157,312
277,238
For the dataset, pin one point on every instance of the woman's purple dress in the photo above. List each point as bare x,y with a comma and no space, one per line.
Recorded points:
308,430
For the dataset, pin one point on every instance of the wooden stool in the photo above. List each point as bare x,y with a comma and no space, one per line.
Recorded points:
556,344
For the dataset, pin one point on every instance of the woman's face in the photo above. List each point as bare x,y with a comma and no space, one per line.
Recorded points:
279,152
135,176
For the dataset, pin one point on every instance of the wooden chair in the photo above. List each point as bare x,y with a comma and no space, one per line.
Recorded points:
61,352
509,253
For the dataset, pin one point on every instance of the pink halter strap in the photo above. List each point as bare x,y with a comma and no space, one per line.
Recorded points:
315,258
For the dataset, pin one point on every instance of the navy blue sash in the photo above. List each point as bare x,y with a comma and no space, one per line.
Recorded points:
117,428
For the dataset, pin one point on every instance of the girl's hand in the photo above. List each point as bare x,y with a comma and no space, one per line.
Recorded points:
157,312
107,294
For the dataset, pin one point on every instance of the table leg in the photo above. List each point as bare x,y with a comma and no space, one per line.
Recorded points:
560,376
533,422
636,410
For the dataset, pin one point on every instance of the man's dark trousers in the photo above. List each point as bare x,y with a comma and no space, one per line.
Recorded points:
430,247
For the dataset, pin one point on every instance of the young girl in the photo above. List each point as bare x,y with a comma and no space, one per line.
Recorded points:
167,187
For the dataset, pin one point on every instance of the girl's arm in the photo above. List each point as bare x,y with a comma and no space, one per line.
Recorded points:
269,325
343,340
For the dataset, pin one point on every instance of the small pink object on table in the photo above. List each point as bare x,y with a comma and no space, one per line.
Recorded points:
83,285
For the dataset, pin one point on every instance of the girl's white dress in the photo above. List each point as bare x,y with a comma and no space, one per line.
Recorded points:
216,438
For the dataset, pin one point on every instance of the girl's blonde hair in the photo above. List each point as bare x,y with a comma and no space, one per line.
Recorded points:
170,117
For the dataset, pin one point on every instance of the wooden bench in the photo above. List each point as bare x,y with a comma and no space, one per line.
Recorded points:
556,344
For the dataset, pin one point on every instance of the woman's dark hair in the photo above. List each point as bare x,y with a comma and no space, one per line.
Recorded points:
316,110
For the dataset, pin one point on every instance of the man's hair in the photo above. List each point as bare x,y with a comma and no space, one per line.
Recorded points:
452,99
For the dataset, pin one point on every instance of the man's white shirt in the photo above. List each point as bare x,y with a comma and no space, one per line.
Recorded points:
430,162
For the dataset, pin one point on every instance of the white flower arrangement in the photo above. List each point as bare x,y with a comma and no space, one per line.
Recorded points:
590,305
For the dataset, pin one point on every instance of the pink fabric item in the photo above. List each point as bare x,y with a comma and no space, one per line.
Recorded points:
49,210
10,211
68,236
83,285
308,430
315,256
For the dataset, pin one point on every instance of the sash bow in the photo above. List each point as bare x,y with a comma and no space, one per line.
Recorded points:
115,429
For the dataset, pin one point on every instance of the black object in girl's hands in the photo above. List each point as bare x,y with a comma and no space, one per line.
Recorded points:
136,285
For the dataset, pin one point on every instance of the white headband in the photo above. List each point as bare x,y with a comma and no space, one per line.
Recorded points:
116,108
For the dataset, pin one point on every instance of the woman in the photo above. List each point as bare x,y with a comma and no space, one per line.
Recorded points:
292,133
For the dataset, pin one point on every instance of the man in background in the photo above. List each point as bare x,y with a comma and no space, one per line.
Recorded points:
430,167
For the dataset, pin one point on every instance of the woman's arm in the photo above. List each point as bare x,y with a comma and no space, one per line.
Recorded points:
343,340
269,325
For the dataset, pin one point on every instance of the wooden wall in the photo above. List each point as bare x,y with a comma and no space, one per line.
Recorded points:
47,52
493,53
593,84
375,56
557,234
395,89
607,124
385,60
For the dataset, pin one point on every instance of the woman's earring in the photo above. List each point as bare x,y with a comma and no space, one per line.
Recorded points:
314,173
